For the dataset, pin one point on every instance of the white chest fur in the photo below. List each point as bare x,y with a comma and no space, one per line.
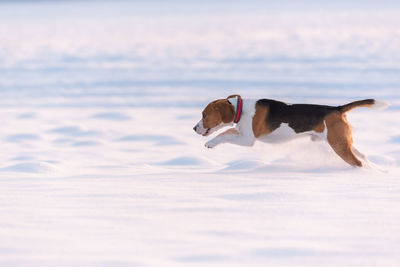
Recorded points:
246,121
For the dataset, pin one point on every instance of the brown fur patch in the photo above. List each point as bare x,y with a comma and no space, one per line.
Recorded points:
258,124
217,112
339,137
320,128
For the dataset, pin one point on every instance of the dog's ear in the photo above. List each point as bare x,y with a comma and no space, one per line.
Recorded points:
233,96
227,111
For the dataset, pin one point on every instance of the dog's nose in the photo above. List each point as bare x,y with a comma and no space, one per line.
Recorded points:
195,128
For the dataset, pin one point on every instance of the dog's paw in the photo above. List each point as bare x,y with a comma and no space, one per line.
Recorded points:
211,144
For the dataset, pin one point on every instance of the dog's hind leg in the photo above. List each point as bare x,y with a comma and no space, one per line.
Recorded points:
339,138
365,161
359,154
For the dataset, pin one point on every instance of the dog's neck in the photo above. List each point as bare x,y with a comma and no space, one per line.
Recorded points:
237,103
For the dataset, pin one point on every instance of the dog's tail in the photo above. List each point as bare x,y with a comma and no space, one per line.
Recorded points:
369,103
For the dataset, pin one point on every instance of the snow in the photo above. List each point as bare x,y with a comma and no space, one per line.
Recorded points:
101,166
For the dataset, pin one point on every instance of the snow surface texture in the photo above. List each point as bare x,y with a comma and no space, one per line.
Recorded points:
101,167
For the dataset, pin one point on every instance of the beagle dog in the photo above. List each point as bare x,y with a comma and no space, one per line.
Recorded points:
273,121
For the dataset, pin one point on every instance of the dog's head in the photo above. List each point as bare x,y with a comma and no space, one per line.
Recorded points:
217,114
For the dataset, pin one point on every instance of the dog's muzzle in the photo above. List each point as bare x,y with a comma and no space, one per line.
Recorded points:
198,128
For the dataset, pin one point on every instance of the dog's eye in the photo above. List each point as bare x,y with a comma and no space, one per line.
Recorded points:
204,115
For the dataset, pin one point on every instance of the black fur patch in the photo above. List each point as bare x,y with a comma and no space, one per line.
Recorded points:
300,117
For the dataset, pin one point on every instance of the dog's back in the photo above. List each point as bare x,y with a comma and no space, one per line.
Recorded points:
299,117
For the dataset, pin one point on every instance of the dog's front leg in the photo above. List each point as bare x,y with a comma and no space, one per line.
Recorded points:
232,136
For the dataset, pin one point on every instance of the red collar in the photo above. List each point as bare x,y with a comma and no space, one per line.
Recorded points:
239,107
